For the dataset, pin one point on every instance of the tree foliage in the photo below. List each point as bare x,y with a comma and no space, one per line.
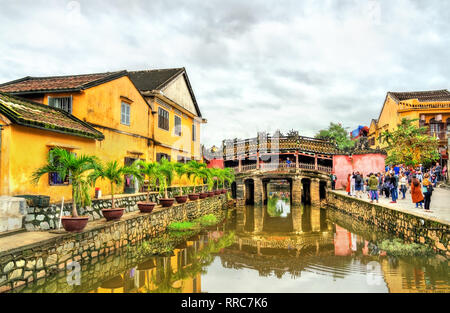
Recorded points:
337,134
410,144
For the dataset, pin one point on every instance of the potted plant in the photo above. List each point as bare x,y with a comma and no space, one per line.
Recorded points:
205,173
68,165
165,176
180,169
228,175
114,172
217,174
193,168
149,170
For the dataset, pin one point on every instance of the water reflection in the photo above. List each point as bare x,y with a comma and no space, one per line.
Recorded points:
308,250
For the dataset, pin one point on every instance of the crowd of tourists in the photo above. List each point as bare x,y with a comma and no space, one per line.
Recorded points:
397,181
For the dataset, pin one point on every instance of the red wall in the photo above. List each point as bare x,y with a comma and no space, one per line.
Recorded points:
364,163
218,163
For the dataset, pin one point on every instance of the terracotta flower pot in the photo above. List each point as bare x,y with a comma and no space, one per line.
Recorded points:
146,207
203,195
224,191
194,196
113,214
181,199
211,193
74,224
166,202
217,192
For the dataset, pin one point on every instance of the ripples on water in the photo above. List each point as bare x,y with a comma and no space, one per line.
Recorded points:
300,249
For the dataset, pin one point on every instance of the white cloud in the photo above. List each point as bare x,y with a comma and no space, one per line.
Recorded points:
254,66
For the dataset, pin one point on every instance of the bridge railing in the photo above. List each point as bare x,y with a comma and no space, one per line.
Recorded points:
282,166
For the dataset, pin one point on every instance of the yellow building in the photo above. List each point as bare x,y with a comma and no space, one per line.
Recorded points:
177,116
110,104
431,108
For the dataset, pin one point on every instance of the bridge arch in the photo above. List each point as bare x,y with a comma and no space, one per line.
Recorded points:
322,190
306,190
249,191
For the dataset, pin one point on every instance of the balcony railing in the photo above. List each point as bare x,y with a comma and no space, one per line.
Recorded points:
423,106
441,135
281,166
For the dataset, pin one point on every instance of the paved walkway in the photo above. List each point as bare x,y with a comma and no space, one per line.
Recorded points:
440,203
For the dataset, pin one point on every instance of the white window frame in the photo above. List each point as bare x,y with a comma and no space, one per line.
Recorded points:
125,116
175,125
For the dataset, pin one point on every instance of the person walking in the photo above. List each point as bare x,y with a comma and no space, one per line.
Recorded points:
352,185
427,190
386,182
349,181
394,188
416,192
372,185
333,181
403,184
358,184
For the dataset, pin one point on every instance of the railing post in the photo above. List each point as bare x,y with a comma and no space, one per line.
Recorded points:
257,160
315,161
296,159
240,164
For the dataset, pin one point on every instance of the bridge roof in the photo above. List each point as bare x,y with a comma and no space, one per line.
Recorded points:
250,146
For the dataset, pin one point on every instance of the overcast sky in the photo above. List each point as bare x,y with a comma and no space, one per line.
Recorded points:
253,65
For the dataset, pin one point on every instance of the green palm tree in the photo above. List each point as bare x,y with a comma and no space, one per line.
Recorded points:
67,164
149,170
217,176
206,173
114,172
180,169
193,168
229,175
165,175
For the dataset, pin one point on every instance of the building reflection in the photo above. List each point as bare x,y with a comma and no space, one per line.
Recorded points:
179,272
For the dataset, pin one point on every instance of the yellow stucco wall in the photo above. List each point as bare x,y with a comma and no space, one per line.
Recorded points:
24,149
173,145
27,147
392,113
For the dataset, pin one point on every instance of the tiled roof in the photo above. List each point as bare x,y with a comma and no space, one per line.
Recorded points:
153,79
58,83
422,96
149,80
32,114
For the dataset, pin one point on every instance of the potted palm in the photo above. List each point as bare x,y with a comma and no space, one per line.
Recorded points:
217,176
75,168
228,175
205,173
149,170
193,168
114,172
165,176
180,169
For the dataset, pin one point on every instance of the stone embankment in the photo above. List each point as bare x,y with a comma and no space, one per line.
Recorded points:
411,226
31,262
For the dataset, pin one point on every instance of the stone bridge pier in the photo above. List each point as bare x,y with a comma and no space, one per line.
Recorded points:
306,186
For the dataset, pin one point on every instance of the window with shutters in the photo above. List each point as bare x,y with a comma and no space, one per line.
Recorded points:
177,125
163,119
63,103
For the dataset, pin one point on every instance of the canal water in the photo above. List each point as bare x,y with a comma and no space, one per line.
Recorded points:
275,248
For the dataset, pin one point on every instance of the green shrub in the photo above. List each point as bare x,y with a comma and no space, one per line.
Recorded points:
182,226
207,220
397,247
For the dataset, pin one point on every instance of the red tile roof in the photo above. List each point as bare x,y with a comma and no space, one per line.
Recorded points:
58,83
422,96
32,114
